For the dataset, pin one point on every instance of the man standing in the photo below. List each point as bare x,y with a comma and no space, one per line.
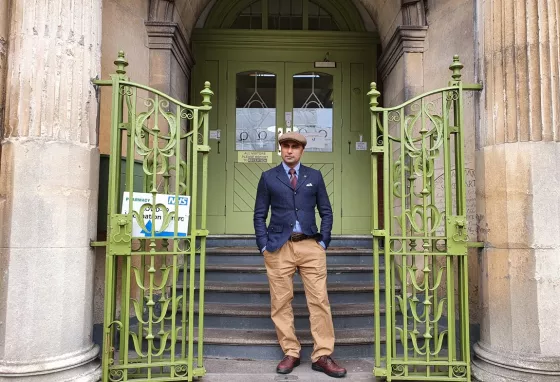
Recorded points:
291,242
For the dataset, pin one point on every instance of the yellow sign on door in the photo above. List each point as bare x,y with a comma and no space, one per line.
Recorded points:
254,157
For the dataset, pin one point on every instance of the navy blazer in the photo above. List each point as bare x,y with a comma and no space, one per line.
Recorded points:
288,205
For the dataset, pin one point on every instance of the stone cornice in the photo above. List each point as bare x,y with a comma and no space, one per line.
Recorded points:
406,39
168,36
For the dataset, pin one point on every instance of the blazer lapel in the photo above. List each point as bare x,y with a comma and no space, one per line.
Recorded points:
281,175
302,176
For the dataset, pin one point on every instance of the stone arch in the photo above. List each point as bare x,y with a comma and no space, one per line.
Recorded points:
386,16
345,14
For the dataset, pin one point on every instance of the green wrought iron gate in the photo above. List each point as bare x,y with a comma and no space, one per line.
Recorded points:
156,234
420,236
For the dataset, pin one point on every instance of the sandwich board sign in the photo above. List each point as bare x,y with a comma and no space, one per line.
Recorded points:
146,223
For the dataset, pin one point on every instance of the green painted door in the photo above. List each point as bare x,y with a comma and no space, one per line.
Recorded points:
264,100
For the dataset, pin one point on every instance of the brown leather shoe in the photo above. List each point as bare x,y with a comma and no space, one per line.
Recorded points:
327,365
287,364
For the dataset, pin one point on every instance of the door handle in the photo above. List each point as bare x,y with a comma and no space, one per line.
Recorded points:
279,132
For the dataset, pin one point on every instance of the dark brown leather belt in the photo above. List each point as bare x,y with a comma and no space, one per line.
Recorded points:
299,237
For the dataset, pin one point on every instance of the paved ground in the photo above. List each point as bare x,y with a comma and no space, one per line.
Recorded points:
220,370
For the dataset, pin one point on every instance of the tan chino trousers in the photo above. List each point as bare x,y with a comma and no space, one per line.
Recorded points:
310,258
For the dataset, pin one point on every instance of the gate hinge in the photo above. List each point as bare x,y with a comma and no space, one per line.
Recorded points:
203,148
97,243
476,244
378,232
380,372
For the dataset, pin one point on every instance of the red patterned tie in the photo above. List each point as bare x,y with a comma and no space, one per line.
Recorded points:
293,178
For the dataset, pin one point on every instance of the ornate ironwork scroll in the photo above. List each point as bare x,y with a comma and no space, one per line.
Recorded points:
155,247
420,246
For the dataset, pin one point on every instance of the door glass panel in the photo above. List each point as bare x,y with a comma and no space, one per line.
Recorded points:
255,111
313,109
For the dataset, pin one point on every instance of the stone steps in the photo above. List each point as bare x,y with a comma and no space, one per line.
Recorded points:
237,320
258,292
257,316
257,272
261,344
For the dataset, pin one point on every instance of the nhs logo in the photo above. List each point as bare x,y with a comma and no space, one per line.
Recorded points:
183,200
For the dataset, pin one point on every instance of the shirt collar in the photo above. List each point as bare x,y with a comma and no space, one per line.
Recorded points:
287,168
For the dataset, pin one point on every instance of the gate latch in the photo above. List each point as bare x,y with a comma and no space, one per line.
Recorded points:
457,236
120,237
461,226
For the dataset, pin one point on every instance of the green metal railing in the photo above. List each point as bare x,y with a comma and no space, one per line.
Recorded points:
420,243
150,326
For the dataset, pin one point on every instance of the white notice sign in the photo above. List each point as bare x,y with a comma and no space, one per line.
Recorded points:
150,224
361,146
215,134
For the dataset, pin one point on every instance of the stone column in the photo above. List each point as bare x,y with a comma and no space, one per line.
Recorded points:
518,186
3,58
48,192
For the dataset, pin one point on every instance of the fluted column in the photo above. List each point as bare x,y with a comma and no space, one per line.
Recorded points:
518,178
48,192
3,57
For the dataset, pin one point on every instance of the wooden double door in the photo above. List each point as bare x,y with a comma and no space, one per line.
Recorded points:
264,101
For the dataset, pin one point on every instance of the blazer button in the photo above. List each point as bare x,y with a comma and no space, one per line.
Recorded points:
297,209
295,192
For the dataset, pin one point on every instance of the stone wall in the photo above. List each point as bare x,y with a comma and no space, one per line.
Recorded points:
451,31
123,29
153,35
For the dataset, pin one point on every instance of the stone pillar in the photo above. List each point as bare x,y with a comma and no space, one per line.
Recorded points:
3,58
48,192
518,178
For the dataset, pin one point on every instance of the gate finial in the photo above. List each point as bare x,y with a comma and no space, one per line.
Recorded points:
206,94
373,95
456,67
121,63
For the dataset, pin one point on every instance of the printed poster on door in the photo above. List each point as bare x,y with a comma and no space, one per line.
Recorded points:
316,126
